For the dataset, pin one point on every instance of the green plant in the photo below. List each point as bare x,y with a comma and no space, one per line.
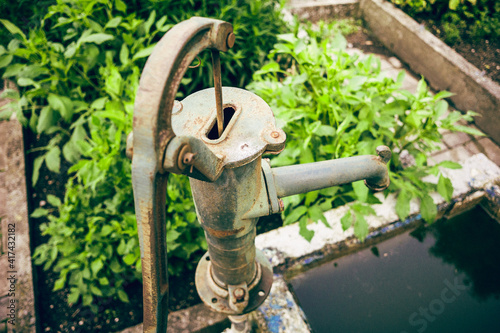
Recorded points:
333,104
23,13
458,19
77,76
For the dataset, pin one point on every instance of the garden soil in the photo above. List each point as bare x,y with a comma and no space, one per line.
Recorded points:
484,54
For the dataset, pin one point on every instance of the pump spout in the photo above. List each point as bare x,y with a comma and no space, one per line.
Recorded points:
295,179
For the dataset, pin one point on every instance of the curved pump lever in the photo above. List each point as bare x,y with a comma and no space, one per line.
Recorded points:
152,133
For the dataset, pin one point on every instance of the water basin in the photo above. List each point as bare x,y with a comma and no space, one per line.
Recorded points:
442,278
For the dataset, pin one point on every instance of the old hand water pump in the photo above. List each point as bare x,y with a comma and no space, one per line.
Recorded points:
216,137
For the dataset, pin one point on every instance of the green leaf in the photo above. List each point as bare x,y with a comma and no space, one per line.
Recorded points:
453,4
295,215
99,103
325,130
129,259
106,230
121,6
124,54
443,94
172,235
144,52
70,50
73,296
13,29
96,266
445,188
116,267
303,231
53,159
86,273
10,93
53,200
46,119
87,299
6,114
114,22
104,281
71,152
287,38
121,248
361,190
36,169
468,130
403,204
62,104
270,67
441,108
428,208
360,227
311,197
450,165
346,220
149,22
60,283
114,82
96,291
39,212
5,60
363,208
123,296
24,82
98,38
189,249
421,87
316,215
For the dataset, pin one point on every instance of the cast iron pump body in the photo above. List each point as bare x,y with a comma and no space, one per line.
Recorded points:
217,137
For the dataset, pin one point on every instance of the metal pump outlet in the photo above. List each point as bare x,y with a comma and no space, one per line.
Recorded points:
217,137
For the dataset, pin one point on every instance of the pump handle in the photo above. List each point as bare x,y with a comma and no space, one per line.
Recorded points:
152,130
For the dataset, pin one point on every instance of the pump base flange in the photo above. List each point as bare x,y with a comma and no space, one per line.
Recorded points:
215,300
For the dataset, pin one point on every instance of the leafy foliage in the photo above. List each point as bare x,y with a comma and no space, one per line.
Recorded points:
335,104
475,19
77,76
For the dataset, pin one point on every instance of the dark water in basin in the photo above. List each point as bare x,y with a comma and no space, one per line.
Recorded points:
444,278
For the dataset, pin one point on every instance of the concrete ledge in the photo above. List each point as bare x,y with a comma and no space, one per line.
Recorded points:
316,10
441,66
195,319
279,313
16,289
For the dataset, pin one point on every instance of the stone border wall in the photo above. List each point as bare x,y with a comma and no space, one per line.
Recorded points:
17,302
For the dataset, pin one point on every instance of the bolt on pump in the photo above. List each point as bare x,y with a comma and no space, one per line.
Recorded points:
216,137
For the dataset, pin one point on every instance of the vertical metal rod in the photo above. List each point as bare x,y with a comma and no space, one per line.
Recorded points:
239,323
218,90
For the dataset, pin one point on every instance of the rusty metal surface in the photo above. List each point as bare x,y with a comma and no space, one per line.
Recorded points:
295,179
274,204
159,83
218,91
251,131
257,291
221,207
